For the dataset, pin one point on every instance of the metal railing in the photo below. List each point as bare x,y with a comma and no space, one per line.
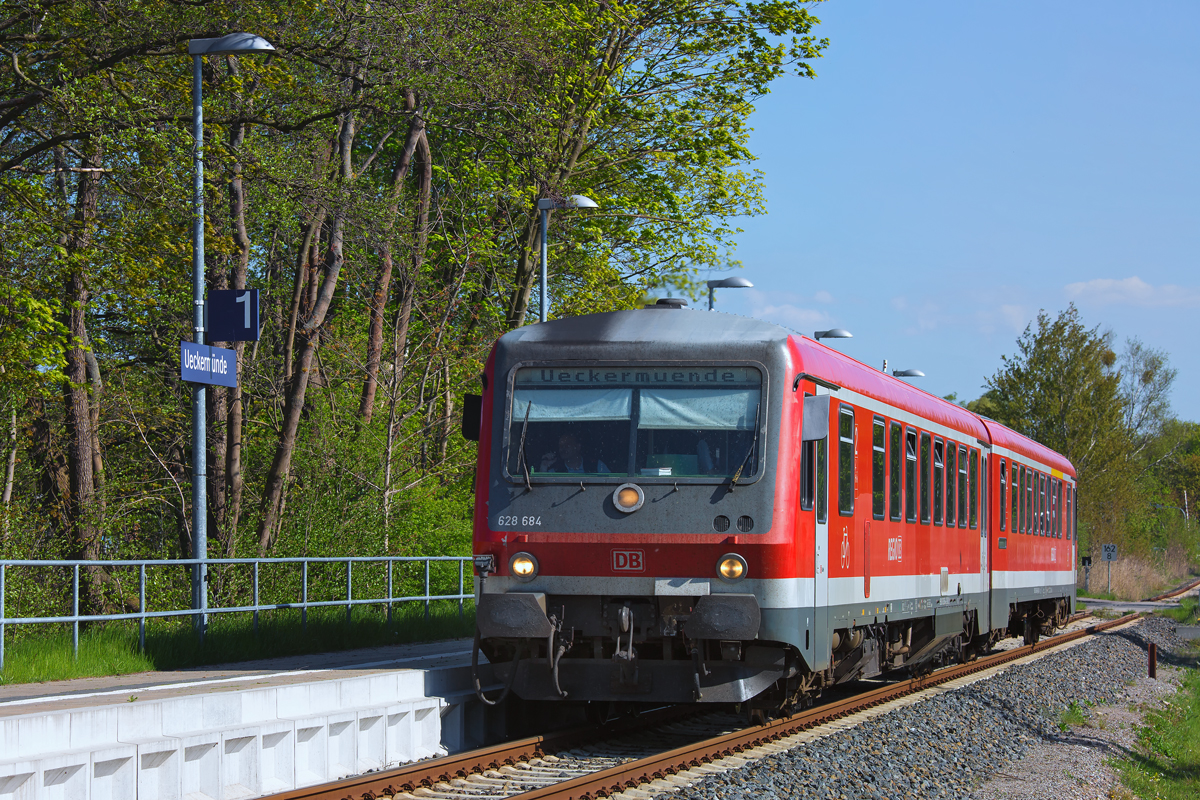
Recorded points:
303,604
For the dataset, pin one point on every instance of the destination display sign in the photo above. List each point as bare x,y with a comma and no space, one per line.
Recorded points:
680,376
202,363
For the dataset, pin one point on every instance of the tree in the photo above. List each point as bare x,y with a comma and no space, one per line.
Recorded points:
1063,388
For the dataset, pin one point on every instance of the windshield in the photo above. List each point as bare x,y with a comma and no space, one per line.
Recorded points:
643,422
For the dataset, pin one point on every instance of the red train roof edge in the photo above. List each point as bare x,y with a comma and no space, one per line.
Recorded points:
843,370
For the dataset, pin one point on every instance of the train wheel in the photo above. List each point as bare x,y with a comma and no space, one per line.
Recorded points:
601,712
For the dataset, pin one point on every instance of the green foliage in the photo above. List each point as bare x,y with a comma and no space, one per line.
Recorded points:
1109,415
1167,764
1073,715
113,649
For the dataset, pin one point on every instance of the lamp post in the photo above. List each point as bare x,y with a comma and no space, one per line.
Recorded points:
736,282
833,333
908,373
229,44
544,207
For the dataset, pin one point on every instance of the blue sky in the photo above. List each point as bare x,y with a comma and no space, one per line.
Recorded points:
955,167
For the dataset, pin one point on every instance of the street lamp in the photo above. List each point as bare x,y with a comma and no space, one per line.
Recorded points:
908,373
229,44
544,206
833,333
736,282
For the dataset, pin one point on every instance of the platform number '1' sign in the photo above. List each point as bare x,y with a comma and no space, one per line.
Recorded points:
232,315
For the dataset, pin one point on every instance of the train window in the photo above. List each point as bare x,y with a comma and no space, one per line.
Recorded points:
951,452
1052,509
926,442
1070,509
1033,503
1058,505
1041,504
938,471
1074,513
822,479
962,487
878,468
846,460
808,453
910,475
808,472
974,477
1054,516
615,423
1003,494
1014,523
1030,525
895,457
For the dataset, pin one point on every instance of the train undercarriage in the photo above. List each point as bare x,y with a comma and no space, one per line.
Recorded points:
704,650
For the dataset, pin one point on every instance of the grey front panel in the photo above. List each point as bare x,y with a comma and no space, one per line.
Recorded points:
672,506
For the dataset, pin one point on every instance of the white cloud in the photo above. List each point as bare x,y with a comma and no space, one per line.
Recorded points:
1133,292
823,297
1014,316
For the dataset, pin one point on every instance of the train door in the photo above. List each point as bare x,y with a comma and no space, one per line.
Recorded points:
816,442
985,538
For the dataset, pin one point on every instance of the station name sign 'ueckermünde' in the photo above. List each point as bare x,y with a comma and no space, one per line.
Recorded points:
202,363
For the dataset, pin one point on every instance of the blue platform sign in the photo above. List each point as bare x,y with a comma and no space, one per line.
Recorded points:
202,363
232,315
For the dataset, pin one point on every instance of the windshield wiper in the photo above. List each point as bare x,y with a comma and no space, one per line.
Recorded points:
521,463
753,445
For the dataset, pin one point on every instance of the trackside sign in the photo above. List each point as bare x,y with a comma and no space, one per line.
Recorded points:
202,363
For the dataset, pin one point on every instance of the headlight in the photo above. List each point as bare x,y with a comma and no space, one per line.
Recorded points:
731,567
523,566
628,497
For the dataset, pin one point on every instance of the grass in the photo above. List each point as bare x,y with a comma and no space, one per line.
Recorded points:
1072,716
1095,595
1186,613
1168,764
112,648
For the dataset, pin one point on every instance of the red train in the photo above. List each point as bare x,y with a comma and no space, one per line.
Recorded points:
684,506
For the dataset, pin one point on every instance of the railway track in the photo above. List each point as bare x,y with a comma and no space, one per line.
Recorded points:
1187,587
664,749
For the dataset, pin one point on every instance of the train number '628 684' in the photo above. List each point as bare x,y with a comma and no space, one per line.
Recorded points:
513,520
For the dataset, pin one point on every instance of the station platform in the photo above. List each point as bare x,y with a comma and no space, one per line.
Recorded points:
239,730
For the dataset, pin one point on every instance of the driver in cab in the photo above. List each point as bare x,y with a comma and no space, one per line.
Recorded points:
569,458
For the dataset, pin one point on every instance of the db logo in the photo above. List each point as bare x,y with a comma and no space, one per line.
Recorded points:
629,561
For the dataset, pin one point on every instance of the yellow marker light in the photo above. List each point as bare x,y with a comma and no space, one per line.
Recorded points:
523,567
628,498
731,567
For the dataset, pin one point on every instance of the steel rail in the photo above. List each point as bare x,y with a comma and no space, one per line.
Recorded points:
635,773
1187,587
460,765
410,777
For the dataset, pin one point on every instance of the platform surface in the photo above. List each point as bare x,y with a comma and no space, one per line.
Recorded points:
33,698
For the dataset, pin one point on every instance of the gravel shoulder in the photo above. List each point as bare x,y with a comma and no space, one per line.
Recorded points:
994,739
1074,765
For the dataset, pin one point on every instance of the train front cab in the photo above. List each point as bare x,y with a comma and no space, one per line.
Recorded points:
660,565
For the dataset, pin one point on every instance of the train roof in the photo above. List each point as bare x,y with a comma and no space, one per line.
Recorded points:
841,369
1004,436
662,325
690,329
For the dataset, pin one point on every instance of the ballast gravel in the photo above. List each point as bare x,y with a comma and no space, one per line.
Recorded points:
946,745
